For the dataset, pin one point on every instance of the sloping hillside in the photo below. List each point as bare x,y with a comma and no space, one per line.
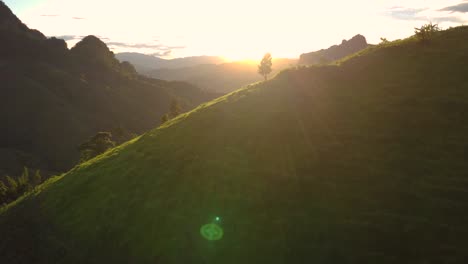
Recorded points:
55,98
364,162
335,52
221,78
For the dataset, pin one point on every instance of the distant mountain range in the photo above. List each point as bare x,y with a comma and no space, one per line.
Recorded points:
54,98
213,74
335,52
220,78
145,63
210,73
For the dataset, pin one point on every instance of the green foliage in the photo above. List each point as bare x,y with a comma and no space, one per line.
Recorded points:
384,41
175,108
364,162
96,145
37,178
17,187
11,190
127,69
426,32
12,187
265,66
120,134
165,118
23,182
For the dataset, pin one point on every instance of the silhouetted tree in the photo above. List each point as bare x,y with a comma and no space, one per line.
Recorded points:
37,179
16,188
120,134
425,32
164,118
127,69
384,41
175,108
23,182
12,190
96,145
265,66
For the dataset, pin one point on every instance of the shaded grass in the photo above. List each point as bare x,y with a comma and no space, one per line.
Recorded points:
359,162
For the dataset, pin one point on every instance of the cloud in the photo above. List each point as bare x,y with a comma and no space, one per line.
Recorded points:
162,53
68,37
448,19
143,46
460,8
102,38
403,13
422,14
152,48
78,37
155,49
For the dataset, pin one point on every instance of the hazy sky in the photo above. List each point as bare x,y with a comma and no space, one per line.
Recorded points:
235,29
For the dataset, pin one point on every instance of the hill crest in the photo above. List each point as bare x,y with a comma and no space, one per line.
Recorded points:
359,162
335,52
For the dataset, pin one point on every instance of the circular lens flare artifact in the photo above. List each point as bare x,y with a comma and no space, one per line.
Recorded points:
211,232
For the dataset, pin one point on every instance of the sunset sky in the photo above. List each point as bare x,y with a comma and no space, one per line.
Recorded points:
239,29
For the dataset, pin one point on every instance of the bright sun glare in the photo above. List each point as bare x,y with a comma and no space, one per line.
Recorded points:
248,59
237,30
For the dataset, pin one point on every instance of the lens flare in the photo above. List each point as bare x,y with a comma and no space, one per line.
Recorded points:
211,232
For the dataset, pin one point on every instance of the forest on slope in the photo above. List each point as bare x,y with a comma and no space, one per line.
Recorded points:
55,98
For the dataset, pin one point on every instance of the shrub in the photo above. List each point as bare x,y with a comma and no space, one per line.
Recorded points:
96,145
425,32
384,41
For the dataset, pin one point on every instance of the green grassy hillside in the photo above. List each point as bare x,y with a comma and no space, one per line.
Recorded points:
363,162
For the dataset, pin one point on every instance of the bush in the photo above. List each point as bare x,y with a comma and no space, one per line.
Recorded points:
426,32
16,188
96,145
384,41
23,182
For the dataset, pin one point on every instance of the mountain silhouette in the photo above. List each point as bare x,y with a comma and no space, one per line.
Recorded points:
54,98
335,52
145,63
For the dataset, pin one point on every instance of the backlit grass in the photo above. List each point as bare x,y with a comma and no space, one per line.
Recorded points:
361,162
